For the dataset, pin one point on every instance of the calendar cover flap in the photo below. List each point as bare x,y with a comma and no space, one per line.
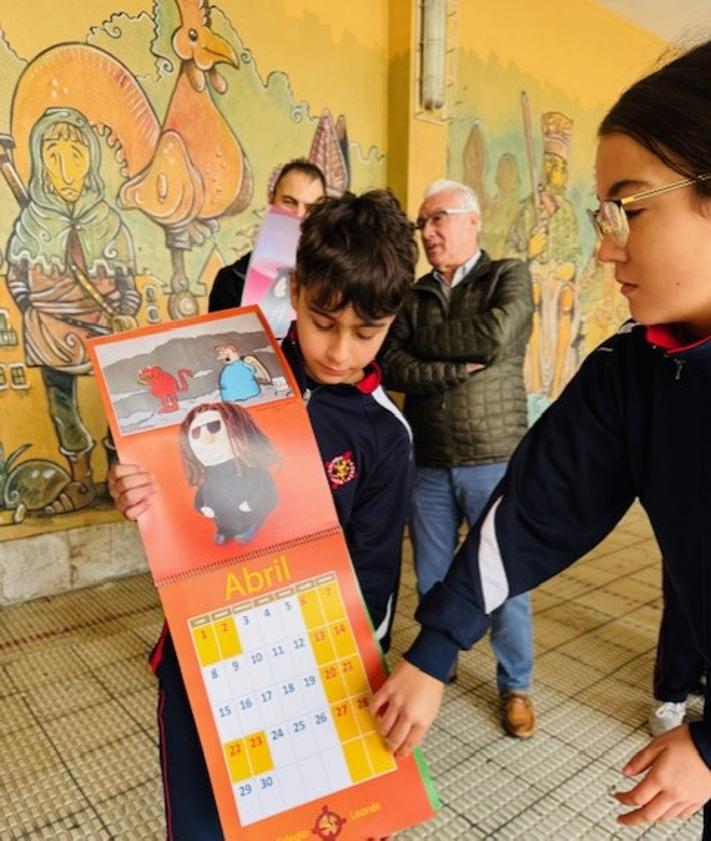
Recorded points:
270,267
210,407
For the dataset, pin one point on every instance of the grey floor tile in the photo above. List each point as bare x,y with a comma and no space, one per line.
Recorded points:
78,734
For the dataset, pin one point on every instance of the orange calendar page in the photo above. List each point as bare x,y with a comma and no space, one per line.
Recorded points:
273,639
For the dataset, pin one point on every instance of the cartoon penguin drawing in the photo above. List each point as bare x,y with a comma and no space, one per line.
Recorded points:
227,458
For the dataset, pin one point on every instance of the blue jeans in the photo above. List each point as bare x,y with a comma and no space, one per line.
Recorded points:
443,498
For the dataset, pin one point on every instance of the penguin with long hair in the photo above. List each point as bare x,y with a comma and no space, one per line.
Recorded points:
227,458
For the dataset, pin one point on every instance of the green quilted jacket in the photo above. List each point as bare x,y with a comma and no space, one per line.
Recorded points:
459,418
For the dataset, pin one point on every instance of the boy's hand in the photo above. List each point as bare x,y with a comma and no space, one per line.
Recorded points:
131,489
406,705
677,783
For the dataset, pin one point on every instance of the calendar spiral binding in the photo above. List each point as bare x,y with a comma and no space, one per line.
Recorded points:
274,548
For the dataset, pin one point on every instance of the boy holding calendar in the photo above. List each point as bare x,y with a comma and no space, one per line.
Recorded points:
355,262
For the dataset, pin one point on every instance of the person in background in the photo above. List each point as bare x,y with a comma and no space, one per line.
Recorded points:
456,350
678,668
299,186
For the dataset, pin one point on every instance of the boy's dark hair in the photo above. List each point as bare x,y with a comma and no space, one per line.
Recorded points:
669,113
305,167
358,251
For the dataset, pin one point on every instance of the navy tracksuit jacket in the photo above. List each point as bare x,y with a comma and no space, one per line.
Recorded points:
635,422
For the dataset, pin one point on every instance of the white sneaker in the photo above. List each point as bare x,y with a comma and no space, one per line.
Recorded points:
665,716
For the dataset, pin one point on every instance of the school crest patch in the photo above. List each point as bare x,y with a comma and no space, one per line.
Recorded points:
341,469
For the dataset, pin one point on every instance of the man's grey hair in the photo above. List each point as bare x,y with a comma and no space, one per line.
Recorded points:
443,185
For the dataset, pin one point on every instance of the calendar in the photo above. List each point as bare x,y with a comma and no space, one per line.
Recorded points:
289,697
273,638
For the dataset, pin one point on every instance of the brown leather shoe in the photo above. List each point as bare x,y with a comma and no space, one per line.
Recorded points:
518,714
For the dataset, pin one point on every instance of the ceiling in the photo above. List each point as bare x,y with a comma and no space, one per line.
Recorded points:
672,21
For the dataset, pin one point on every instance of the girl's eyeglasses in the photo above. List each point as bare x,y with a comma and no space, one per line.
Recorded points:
610,219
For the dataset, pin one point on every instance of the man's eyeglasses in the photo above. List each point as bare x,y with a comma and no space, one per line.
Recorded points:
440,216
610,219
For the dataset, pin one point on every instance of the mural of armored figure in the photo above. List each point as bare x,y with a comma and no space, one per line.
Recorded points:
71,272
545,232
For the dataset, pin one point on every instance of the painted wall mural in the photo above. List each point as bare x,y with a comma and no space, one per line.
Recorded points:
135,164
528,151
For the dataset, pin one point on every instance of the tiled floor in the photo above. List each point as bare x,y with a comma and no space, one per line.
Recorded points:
78,756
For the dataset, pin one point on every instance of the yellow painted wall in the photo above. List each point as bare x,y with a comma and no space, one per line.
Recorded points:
578,47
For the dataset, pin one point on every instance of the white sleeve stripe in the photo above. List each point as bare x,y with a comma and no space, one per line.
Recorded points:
494,584
382,398
382,629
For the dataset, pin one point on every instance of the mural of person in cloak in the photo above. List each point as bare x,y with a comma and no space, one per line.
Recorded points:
71,272
227,458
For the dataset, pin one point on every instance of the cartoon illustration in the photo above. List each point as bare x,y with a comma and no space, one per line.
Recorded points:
238,379
276,303
186,171
71,273
230,360
164,385
545,232
270,268
227,458
329,151
199,171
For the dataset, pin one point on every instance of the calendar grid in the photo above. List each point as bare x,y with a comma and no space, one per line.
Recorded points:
289,696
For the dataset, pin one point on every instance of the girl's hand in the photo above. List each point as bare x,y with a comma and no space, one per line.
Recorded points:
406,705
677,783
131,489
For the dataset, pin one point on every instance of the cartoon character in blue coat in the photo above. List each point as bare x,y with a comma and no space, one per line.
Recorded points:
239,379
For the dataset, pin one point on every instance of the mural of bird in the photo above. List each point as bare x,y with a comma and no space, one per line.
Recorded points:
185,172
199,171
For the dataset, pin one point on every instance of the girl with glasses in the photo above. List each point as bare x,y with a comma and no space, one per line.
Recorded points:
635,422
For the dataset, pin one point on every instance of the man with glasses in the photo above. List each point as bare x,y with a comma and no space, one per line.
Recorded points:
456,350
